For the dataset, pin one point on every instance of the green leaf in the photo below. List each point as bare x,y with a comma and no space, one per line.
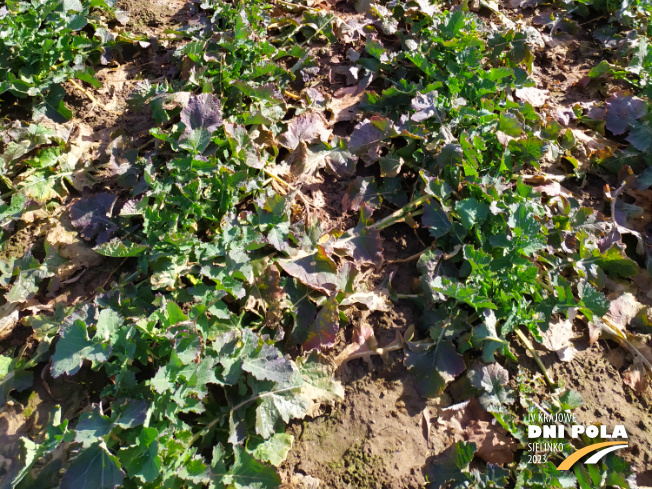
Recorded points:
108,324
463,293
53,105
91,427
321,23
592,302
434,365
197,141
16,379
120,249
571,400
640,137
56,433
75,5
29,277
143,460
471,212
510,125
5,362
94,468
245,473
435,219
493,379
527,151
275,449
268,364
616,264
73,348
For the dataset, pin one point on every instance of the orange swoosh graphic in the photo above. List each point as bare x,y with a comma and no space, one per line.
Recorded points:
568,463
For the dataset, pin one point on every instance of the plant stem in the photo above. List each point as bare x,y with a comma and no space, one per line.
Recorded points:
526,342
92,97
400,213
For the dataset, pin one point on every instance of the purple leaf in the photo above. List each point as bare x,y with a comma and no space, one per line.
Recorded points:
91,217
362,190
370,133
365,248
316,270
308,127
203,110
323,330
623,111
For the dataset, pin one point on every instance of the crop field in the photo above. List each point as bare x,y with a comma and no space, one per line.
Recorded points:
340,244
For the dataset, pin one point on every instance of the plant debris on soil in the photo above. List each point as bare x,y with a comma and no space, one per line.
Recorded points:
336,244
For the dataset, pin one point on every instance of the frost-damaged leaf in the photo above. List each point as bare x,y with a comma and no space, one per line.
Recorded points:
315,270
469,422
362,190
245,473
637,377
203,110
302,309
374,301
425,105
369,133
318,386
323,330
434,365
493,380
265,292
622,111
307,161
94,468
534,96
91,216
268,364
558,339
344,104
623,309
275,450
309,127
